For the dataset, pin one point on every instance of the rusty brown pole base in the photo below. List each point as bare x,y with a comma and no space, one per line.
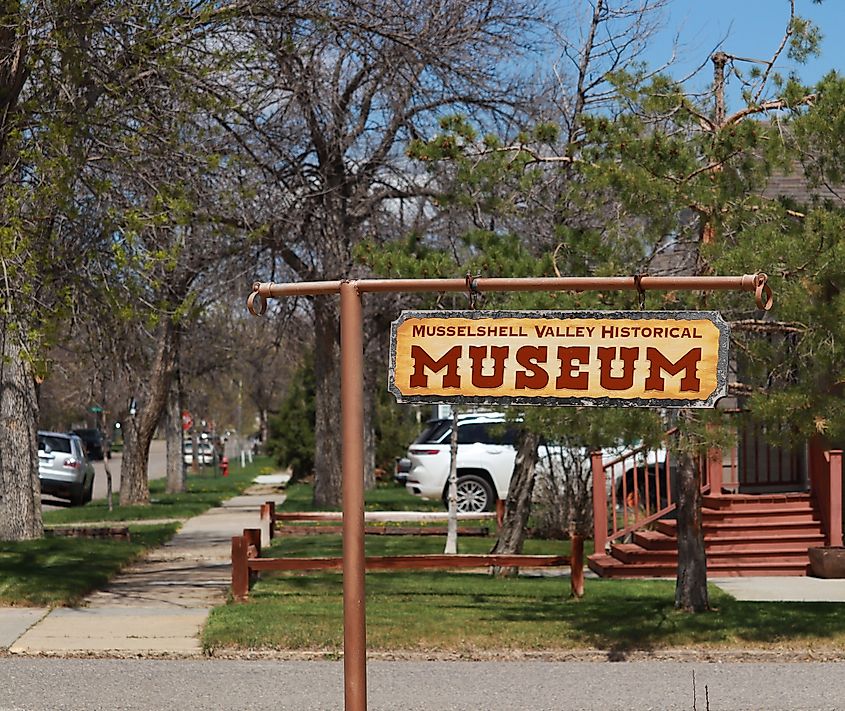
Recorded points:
240,571
352,416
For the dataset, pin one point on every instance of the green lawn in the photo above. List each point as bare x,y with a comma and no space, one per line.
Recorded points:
61,571
205,490
472,613
385,497
469,613
331,545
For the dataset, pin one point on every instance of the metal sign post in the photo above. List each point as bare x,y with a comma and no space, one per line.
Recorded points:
352,404
354,568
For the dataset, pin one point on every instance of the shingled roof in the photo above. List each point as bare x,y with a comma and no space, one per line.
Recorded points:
793,186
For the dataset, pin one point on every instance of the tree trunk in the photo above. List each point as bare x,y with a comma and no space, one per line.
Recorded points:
691,584
106,453
134,484
20,488
327,430
263,426
518,503
452,527
175,463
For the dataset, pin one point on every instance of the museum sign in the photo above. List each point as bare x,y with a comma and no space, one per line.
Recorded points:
594,358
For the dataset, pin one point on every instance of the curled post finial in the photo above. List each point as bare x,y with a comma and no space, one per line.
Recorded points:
255,302
763,292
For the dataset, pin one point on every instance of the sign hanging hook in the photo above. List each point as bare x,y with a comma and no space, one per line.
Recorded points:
640,291
474,293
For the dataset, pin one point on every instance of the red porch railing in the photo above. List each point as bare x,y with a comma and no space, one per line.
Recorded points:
629,492
826,483
634,490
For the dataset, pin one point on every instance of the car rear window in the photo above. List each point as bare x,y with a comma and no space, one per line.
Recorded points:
486,433
54,444
433,432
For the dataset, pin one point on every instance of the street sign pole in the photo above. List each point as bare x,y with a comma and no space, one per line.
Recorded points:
352,409
354,565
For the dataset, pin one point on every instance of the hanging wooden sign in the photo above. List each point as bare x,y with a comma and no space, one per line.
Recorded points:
613,358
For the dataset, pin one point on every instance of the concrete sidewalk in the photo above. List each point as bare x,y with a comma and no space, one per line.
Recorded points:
783,589
155,607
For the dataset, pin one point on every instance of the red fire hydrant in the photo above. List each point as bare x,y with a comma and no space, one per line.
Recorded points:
224,466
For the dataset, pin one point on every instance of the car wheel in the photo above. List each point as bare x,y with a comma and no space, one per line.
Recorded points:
474,494
89,491
77,495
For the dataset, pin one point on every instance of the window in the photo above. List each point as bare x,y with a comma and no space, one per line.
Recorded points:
434,432
487,433
47,443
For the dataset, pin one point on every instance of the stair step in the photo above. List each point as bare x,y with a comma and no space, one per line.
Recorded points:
754,500
766,534
746,528
608,567
655,540
769,544
760,510
765,567
710,517
631,553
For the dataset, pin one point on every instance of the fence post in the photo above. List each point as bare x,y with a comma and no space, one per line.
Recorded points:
240,569
253,538
271,508
576,565
599,503
835,497
264,518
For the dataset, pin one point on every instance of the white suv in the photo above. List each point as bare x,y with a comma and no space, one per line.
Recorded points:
486,455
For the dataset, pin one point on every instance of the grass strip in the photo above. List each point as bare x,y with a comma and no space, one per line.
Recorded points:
467,613
205,490
387,496
58,571
332,545
470,613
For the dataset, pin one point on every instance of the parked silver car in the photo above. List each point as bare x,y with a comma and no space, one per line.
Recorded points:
63,467
206,453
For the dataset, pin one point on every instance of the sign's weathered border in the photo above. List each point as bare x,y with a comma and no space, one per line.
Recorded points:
712,316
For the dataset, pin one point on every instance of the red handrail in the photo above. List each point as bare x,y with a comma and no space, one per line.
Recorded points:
632,504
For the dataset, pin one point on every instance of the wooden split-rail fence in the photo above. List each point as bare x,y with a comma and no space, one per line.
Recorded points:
247,562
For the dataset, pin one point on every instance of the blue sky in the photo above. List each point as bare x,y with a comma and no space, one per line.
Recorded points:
750,28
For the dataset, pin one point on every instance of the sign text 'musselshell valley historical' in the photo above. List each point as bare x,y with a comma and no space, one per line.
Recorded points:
614,358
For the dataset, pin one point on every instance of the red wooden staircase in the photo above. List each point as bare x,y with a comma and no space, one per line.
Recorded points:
743,535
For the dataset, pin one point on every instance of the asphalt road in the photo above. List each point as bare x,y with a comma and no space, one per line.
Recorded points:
156,469
33,684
